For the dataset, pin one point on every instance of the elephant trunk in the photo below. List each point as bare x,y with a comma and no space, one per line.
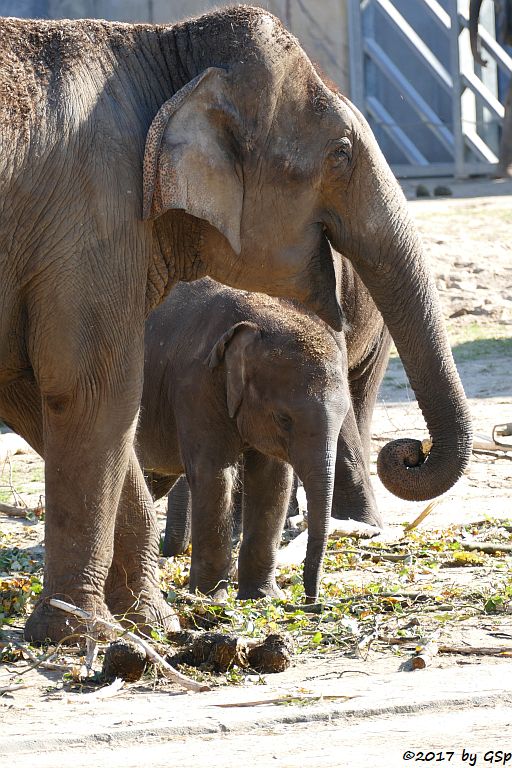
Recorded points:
385,249
318,485
405,293
474,13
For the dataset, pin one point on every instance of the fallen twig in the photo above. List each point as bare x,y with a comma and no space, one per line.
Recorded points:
43,661
169,672
10,511
485,443
424,655
307,698
23,512
468,650
488,547
107,692
13,687
428,509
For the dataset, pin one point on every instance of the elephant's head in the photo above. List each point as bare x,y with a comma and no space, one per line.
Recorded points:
280,167
289,396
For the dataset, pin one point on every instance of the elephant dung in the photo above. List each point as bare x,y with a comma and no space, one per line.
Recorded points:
274,654
125,660
221,652
214,650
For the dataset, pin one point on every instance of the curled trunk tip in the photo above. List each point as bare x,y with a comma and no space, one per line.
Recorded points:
410,473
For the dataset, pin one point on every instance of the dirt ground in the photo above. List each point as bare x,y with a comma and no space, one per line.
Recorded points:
469,239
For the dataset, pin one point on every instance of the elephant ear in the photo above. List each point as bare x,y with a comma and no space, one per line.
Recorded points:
189,162
231,348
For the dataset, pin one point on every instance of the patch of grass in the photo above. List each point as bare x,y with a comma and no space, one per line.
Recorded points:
25,477
477,331
481,348
474,340
477,215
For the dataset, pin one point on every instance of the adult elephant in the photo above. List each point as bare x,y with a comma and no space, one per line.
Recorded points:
505,150
136,155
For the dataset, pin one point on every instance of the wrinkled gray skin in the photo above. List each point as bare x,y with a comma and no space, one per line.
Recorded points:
228,372
505,152
368,344
132,156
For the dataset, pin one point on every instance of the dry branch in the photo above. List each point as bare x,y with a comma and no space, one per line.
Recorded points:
24,512
428,509
43,661
169,672
485,443
488,547
468,650
107,692
13,687
10,511
424,655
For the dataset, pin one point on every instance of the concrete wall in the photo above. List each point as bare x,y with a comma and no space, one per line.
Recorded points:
320,25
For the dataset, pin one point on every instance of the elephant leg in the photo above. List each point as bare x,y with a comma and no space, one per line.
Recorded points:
178,528
364,382
132,590
267,486
353,496
212,494
89,418
293,504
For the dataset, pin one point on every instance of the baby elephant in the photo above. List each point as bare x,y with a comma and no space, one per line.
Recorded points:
226,373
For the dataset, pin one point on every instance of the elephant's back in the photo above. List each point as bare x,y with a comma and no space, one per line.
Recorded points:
195,315
53,70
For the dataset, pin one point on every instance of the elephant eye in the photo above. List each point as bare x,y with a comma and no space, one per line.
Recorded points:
283,420
342,151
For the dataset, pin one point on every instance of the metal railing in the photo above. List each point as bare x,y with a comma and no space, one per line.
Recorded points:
460,134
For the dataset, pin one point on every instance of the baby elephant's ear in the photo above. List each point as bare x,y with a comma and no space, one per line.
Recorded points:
189,161
231,348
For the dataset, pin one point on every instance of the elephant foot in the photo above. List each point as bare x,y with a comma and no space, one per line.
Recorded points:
218,595
144,612
255,592
49,624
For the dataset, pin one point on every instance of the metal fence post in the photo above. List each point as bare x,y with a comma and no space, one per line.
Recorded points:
458,137
356,54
